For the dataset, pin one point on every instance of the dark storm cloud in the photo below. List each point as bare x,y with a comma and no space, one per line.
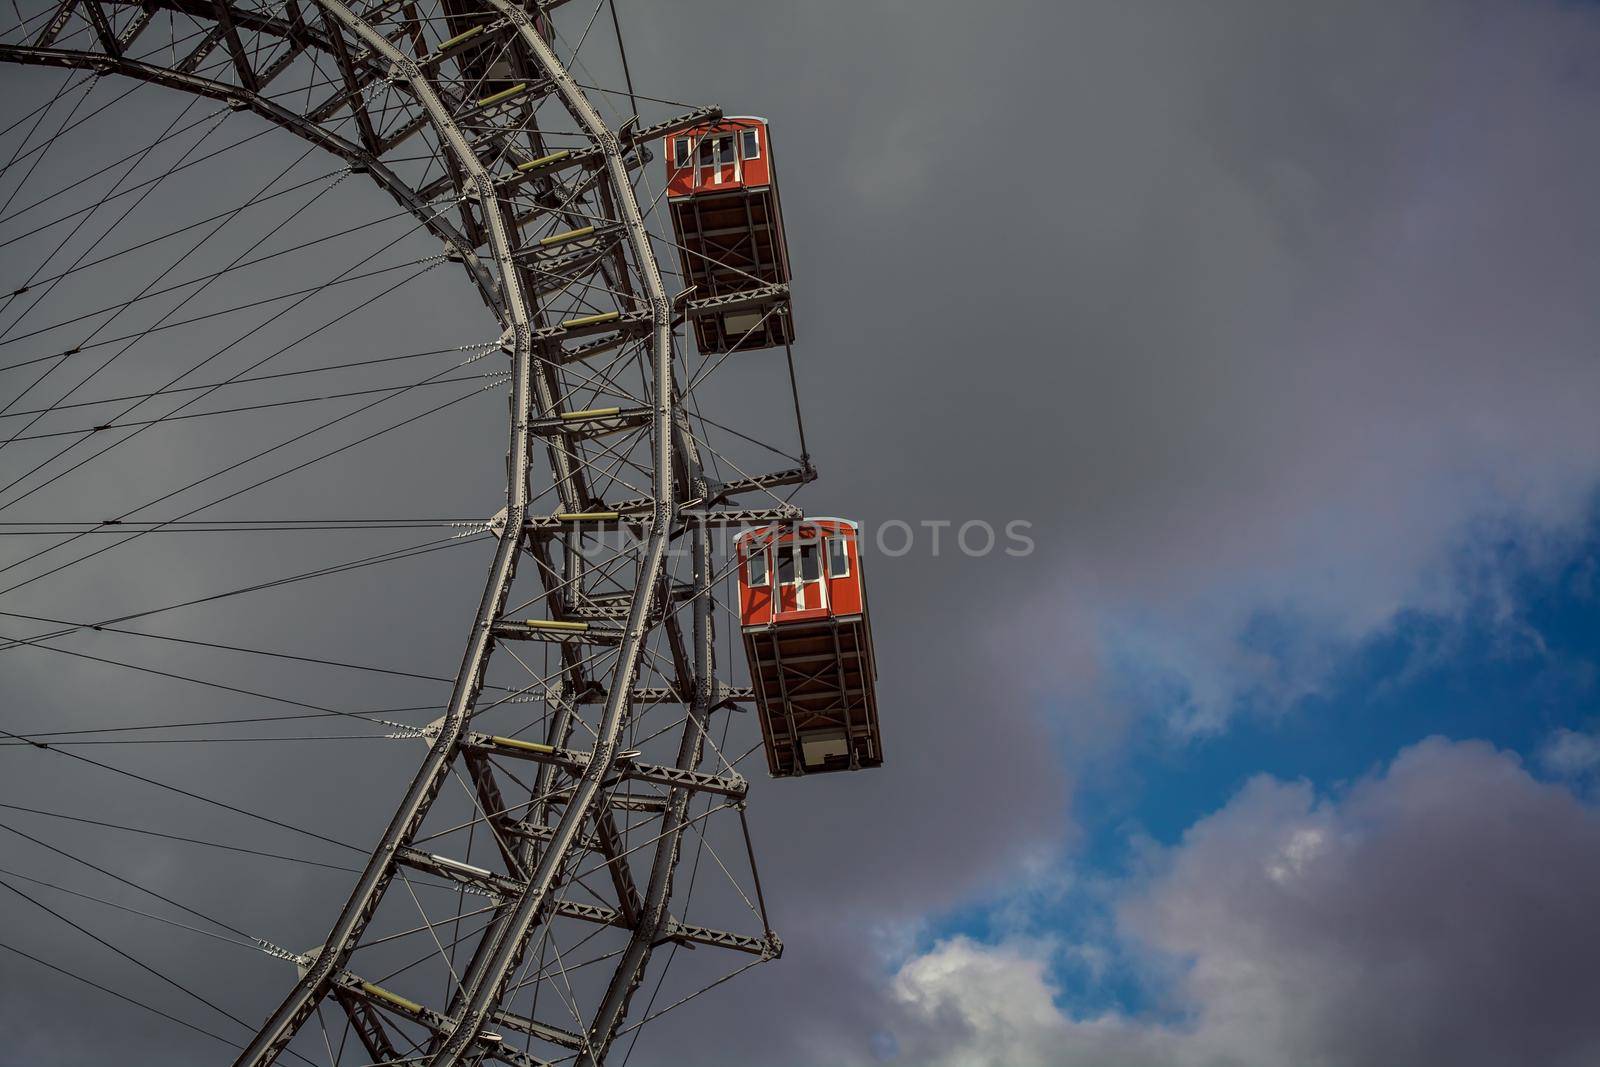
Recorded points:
1240,305
1245,306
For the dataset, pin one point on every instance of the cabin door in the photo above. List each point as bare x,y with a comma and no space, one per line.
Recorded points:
801,586
718,163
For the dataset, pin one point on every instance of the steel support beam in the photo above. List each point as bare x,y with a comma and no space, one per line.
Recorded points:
485,980
301,1002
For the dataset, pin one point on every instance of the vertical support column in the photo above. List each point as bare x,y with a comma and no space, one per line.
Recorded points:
485,981
358,911
654,916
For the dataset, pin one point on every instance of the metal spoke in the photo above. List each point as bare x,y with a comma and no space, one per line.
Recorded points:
560,842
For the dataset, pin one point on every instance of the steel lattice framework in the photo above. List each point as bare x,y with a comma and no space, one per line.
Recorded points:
464,114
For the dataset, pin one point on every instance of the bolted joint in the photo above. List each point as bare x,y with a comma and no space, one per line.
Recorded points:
602,757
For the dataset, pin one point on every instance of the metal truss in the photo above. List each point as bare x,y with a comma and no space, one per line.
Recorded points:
463,113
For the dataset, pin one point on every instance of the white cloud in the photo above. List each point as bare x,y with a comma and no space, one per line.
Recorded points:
993,1006
1438,913
1290,862
1571,754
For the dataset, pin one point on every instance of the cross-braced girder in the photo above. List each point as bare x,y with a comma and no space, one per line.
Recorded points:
511,166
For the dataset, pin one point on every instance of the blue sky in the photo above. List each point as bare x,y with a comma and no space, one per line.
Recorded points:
1514,665
1283,340
1307,438
1511,668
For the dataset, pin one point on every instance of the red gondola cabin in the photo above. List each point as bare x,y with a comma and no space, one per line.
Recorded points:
804,611
722,188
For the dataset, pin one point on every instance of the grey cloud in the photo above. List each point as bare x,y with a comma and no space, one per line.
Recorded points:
1244,307
1436,913
1571,753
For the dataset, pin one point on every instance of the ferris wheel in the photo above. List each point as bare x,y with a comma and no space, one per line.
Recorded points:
574,826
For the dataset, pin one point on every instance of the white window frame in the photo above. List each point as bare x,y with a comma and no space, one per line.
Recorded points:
792,548
844,553
712,143
682,152
799,581
766,569
799,561
752,133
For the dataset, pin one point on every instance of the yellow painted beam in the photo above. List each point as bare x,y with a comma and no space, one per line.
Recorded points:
522,746
458,38
592,320
393,998
502,95
570,235
544,161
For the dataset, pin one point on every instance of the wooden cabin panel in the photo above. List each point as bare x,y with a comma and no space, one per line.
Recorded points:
844,592
833,595
729,228
816,696
813,670
755,601
696,174
731,243
744,332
